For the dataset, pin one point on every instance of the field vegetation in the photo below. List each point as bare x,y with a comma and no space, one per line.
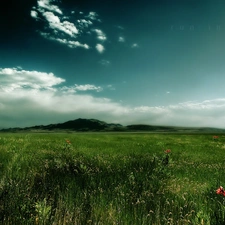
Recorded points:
111,178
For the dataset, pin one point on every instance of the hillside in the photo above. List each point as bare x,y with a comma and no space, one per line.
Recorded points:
73,125
93,125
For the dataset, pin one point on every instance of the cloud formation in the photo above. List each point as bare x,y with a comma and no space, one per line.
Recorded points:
14,78
93,16
73,28
65,29
100,35
82,87
30,98
56,25
46,4
69,43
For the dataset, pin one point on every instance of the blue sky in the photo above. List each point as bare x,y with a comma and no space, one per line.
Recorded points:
158,62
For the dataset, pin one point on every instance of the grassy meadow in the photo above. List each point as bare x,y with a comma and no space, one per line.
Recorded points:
111,178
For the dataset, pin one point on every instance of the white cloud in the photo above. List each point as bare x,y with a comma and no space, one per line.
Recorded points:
87,87
46,4
33,98
84,23
34,14
64,28
100,48
51,18
70,44
42,102
14,78
100,35
93,16
84,87
70,27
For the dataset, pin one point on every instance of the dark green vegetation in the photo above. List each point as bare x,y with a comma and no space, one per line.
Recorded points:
111,178
92,125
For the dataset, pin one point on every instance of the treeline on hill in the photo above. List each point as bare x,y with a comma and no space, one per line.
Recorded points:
93,125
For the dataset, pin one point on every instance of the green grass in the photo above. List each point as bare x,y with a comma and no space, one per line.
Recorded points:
111,178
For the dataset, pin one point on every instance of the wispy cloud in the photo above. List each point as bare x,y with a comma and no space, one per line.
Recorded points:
134,45
46,4
66,29
120,27
32,97
87,87
84,23
80,88
104,62
93,16
100,35
121,39
69,43
110,87
73,28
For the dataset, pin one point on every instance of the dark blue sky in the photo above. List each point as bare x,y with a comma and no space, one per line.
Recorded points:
154,62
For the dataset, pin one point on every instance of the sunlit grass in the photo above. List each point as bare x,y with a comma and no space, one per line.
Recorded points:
111,178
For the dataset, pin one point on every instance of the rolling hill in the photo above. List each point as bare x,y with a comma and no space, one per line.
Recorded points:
93,125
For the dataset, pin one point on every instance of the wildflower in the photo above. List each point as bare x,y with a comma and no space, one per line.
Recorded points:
220,191
215,137
168,151
68,141
165,159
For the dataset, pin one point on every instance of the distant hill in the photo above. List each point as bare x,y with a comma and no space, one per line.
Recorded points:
143,127
73,125
93,125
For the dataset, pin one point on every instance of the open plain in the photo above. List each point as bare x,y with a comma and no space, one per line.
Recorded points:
112,178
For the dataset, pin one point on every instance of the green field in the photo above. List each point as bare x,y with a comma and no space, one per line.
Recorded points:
111,178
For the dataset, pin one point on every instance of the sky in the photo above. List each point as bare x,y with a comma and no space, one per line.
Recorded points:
156,62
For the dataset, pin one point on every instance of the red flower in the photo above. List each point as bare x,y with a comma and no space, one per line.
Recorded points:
215,137
168,151
220,191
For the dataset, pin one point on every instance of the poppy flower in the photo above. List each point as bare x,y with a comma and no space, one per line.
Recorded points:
168,151
215,137
68,141
220,191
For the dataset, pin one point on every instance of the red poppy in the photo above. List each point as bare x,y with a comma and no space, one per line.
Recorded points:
220,191
168,151
215,137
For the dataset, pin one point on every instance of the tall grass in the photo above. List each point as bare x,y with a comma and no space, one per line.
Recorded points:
118,178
